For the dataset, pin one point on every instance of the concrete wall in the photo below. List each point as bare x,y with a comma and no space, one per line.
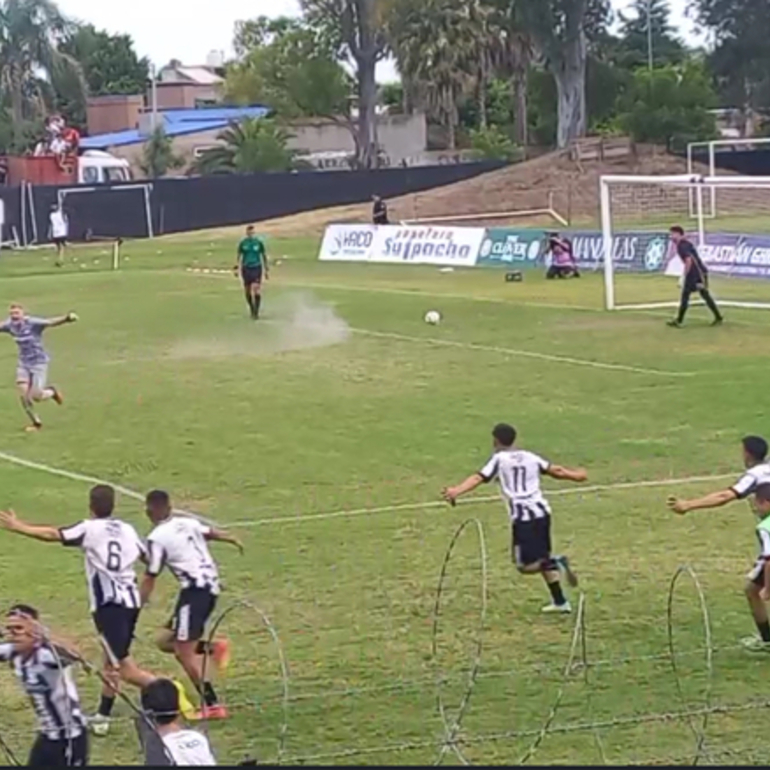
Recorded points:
185,95
105,114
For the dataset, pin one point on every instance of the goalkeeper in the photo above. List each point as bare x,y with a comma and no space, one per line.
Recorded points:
695,278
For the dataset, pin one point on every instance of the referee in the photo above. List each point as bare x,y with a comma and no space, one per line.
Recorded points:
696,278
252,263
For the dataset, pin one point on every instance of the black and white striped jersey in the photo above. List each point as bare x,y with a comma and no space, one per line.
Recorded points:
518,473
180,544
111,548
748,483
46,677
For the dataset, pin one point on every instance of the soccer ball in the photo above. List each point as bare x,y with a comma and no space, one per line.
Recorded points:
433,317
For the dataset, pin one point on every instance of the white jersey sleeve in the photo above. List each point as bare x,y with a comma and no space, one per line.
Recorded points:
491,469
748,483
74,535
189,748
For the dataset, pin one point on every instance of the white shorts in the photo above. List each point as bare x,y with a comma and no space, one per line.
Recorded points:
35,377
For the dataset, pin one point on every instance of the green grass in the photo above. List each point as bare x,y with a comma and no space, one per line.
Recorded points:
168,384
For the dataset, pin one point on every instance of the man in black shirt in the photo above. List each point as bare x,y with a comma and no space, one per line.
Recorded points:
379,211
695,278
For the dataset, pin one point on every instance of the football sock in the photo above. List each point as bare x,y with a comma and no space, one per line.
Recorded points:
556,593
106,704
26,405
764,631
249,300
257,303
209,696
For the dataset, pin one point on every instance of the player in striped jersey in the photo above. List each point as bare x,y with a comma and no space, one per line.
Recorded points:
43,669
180,543
112,547
757,472
758,580
518,473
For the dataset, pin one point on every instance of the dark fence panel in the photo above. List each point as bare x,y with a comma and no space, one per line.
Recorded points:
11,197
180,205
744,162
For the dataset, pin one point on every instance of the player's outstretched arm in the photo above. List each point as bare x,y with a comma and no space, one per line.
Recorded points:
714,500
450,494
578,475
224,537
146,588
62,320
10,521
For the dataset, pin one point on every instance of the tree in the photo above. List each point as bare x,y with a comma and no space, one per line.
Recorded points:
669,105
561,31
649,16
250,146
158,157
492,143
30,31
741,58
291,69
357,29
109,62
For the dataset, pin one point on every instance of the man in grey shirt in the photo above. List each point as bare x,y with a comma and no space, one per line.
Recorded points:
32,368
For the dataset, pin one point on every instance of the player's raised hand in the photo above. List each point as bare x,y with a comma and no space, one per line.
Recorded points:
8,520
72,317
676,505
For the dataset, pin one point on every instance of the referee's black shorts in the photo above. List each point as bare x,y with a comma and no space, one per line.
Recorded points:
251,275
531,541
60,753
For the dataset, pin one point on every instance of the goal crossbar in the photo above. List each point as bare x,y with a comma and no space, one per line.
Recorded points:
696,186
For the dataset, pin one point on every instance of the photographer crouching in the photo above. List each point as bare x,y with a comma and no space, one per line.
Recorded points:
562,260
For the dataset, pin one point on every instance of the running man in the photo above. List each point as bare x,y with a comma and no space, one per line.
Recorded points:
758,580
32,368
519,472
180,543
112,547
252,264
43,669
58,226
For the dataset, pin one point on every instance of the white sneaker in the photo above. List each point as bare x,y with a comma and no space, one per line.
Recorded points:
557,609
99,725
755,644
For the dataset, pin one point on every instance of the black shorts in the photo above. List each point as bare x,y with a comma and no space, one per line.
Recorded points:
695,281
757,574
64,753
59,241
115,624
531,541
193,610
251,275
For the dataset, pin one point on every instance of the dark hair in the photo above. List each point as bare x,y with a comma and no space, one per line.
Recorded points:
158,497
762,493
160,700
23,610
102,501
504,433
677,229
755,447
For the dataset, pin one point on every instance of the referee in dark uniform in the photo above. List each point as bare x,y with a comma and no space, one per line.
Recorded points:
696,278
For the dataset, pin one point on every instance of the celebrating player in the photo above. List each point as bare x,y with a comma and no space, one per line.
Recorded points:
252,263
32,369
518,472
44,671
696,278
755,451
758,580
170,743
180,542
111,548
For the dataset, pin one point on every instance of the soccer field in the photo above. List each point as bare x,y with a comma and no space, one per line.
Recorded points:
323,436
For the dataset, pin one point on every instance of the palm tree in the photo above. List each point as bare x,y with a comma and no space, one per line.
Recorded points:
29,33
250,146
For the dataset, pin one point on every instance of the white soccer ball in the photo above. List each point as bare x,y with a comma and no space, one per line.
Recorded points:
433,317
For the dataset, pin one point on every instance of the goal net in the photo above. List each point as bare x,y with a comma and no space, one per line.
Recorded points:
733,238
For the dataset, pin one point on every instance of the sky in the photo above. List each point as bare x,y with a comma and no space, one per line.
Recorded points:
170,29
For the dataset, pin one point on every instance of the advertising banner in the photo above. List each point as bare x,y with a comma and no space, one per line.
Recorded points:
445,246
504,247
633,252
738,255
348,243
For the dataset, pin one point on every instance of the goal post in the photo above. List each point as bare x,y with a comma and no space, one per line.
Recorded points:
640,261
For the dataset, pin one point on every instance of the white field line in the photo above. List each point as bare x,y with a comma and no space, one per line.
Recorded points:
524,354
350,513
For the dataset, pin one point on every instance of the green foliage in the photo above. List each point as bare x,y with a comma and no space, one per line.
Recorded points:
669,106
158,157
633,49
253,145
392,95
492,143
291,69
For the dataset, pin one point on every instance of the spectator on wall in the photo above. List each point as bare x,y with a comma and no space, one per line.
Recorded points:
379,211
